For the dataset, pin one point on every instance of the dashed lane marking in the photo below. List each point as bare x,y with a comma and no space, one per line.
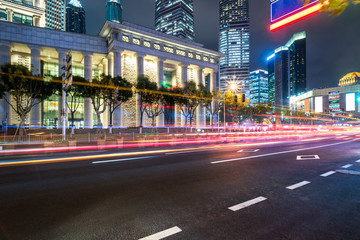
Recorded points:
163,234
307,157
121,160
358,161
300,184
347,166
327,174
249,150
247,204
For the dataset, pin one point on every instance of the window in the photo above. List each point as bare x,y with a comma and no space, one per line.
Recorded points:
136,41
125,38
180,52
157,46
147,44
23,19
198,57
3,14
169,49
190,55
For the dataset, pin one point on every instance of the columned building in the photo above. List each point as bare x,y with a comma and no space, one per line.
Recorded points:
126,50
175,18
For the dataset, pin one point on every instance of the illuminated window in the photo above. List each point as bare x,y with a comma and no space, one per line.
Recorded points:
125,38
206,59
3,14
180,52
198,57
20,18
136,41
212,60
157,46
147,44
168,49
190,55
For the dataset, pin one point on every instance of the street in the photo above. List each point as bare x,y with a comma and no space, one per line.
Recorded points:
287,190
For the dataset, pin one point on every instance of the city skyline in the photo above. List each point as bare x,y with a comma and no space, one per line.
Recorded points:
324,34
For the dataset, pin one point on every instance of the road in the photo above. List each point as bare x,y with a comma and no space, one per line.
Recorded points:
226,191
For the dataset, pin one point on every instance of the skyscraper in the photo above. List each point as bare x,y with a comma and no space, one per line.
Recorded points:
287,70
55,14
114,10
259,87
75,17
235,43
175,18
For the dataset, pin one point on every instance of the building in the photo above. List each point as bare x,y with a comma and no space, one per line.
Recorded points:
235,44
287,70
30,12
175,18
126,50
350,79
55,14
259,87
75,17
113,11
336,100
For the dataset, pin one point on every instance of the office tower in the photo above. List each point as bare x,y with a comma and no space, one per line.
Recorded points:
75,17
175,18
234,43
55,14
287,70
297,63
29,12
114,10
259,87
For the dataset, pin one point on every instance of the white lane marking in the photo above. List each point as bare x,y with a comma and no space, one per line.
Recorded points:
358,160
121,160
277,153
247,204
347,166
163,234
307,157
1,148
327,174
172,153
249,150
300,184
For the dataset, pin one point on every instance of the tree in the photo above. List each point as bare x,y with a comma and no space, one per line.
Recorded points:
74,96
169,101
145,90
24,89
191,98
117,95
98,92
334,7
214,105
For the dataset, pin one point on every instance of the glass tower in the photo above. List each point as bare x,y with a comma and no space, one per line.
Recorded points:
235,44
259,87
114,10
175,17
75,17
55,14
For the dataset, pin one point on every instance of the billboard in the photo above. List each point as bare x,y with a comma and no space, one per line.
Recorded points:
319,104
350,102
283,12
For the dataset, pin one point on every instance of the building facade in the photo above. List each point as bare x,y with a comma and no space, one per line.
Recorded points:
175,18
259,87
113,11
29,12
350,79
75,17
126,50
55,14
235,44
287,70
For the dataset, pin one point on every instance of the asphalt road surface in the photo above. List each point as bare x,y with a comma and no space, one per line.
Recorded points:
277,191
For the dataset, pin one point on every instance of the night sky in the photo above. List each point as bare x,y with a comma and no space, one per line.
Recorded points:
333,43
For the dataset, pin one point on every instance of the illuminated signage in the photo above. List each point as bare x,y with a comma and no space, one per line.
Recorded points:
319,104
284,12
350,102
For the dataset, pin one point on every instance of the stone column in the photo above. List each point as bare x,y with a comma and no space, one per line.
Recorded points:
117,115
200,112
110,65
88,108
9,14
5,57
213,81
140,71
161,119
105,66
184,74
117,63
35,114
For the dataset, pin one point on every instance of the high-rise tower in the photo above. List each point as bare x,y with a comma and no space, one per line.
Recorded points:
175,17
235,44
55,14
114,10
75,17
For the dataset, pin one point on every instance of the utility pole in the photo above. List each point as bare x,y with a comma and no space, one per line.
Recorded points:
67,81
